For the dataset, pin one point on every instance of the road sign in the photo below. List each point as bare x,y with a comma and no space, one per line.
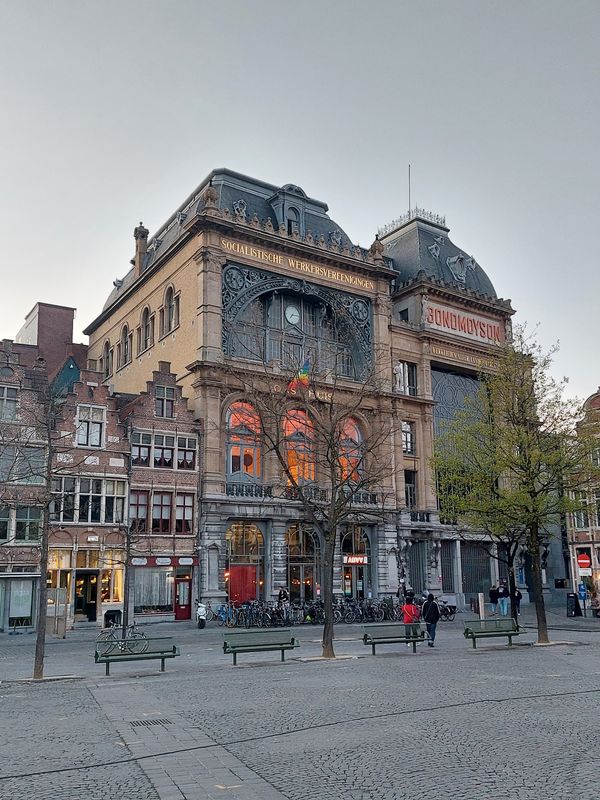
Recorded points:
583,560
585,573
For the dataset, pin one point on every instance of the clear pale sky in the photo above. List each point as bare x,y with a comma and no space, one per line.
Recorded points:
113,112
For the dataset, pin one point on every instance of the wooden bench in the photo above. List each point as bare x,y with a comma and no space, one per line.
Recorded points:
488,628
258,642
162,647
394,633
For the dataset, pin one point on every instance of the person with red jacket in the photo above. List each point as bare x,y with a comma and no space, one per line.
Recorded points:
410,616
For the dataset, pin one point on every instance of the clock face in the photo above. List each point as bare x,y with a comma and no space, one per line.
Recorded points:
292,314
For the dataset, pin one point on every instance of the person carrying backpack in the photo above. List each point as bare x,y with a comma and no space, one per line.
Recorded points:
430,612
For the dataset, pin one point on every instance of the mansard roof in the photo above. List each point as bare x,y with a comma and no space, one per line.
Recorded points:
419,241
255,199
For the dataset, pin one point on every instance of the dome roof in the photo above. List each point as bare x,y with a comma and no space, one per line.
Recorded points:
420,242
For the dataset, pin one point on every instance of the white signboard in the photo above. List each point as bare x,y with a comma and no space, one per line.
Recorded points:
585,571
463,323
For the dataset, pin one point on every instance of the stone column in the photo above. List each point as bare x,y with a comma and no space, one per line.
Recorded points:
386,539
278,571
458,582
212,553
338,567
210,269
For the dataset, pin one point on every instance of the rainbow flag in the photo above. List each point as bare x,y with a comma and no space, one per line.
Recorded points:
301,379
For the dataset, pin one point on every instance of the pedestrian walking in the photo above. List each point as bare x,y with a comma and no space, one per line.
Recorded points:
493,594
410,617
517,596
430,612
503,595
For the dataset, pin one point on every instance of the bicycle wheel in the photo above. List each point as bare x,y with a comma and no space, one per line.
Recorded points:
378,614
451,616
210,614
137,643
337,616
105,643
349,617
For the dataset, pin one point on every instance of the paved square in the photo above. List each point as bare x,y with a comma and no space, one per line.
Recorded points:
445,723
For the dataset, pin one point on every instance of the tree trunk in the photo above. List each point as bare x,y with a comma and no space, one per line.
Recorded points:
126,584
512,583
536,585
42,610
328,552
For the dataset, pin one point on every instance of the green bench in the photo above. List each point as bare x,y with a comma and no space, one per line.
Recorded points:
489,628
394,633
162,647
258,642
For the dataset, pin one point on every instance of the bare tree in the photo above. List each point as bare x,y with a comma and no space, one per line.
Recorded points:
330,440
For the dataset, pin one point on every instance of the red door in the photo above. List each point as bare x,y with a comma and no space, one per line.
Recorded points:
183,598
242,583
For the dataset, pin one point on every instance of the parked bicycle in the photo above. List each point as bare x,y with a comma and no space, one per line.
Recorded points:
111,639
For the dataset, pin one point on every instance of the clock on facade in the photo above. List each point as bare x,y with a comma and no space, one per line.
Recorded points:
292,315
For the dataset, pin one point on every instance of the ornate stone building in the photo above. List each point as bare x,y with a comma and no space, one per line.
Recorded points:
246,274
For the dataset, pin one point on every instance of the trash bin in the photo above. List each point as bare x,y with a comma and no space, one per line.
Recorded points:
112,618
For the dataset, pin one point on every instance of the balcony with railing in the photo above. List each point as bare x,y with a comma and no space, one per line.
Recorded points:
248,489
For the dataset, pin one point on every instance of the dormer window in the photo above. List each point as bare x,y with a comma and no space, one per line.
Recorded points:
293,221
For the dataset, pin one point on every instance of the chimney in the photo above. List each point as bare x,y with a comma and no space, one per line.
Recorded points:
140,235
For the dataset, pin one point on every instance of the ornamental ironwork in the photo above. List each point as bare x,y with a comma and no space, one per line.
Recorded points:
242,286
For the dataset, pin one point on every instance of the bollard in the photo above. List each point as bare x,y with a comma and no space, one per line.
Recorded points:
481,601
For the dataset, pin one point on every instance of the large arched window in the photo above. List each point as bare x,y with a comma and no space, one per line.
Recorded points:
291,329
243,443
299,443
350,451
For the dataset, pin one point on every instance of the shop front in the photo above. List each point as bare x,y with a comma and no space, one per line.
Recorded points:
162,587
303,564
244,572
356,564
92,581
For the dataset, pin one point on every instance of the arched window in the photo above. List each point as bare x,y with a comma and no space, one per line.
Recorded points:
244,572
146,330
243,443
106,360
299,442
170,313
350,451
125,349
292,329
304,563
293,221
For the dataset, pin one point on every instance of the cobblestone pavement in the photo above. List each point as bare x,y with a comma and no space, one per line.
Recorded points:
446,723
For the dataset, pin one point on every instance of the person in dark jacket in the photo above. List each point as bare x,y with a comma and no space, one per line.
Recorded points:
494,598
430,612
518,597
503,595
